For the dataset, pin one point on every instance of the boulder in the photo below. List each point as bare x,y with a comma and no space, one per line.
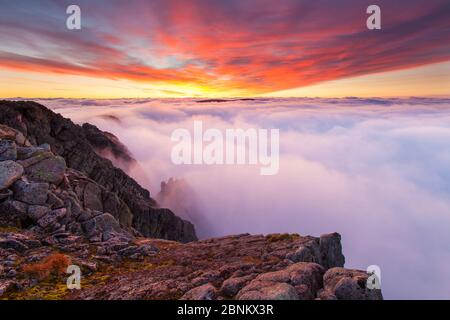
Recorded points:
204,292
231,286
267,290
148,249
14,135
24,153
36,212
31,193
129,251
54,202
32,160
331,250
49,170
347,284
13,212
52,217
302,254
103,227
8,150
10,172
135,251
7,132
13,244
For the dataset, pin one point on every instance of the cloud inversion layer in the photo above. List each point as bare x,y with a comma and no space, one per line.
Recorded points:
375,170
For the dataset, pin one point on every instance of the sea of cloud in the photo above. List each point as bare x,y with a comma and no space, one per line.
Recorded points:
375,170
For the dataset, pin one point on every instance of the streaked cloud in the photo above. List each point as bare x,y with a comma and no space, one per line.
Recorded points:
222,47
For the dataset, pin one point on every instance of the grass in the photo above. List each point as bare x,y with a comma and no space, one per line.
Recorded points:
48,290
50,276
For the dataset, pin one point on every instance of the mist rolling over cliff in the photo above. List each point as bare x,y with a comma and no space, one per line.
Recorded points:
374,169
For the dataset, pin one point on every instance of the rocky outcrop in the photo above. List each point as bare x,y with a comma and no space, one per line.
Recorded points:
300,281
77,147
9,173
41,194
105,142
344,284
246,267
180,197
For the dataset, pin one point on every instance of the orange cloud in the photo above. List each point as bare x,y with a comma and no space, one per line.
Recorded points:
250,47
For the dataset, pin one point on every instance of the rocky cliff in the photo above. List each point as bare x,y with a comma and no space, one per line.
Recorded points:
180,197
79,146
242,267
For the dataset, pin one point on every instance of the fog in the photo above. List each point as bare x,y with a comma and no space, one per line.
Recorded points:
376,171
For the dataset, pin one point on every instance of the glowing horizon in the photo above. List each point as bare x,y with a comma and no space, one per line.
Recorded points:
224,49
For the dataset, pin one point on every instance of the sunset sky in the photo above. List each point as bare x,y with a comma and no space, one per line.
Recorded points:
224,48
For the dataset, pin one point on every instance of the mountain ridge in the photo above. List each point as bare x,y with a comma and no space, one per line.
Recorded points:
41,125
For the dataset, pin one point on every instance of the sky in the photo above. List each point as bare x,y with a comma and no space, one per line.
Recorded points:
212,48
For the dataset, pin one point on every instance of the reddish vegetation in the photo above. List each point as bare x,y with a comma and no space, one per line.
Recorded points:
55,264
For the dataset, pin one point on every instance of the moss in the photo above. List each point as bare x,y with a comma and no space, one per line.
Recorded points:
253,260
95,280
167,263
282,237
42,174
55,288
9,229
42,291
